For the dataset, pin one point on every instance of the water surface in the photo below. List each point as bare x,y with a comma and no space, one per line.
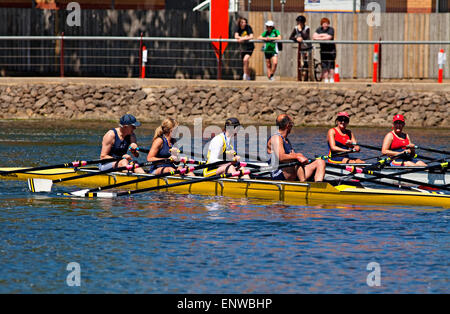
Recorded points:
169,243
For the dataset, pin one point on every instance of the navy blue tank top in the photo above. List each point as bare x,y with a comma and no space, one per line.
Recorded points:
164,152
286,145
120,147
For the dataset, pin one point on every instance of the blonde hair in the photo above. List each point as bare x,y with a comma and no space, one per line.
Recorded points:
166,126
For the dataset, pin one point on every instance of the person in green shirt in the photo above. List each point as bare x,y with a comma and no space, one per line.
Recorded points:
270,48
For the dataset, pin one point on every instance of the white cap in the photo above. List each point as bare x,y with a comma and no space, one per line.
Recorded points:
270,23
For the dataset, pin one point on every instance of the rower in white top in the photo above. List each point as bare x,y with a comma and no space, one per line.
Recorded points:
220,148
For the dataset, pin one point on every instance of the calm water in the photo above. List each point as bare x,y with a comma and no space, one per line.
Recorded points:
168,243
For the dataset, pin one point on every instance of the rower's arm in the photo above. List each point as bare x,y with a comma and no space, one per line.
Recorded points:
275,145
156,146
355,147
133,145
107,143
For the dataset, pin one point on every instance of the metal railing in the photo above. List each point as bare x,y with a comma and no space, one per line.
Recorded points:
166,57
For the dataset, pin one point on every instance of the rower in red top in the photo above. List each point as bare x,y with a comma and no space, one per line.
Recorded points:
396,142
341,140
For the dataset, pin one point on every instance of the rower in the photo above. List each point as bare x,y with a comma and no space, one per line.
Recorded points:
341,140
279,146
396,142
116,143
220,148
163,148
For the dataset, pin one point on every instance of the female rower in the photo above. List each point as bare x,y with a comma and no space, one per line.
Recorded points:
396,142
162,147
341,140
118,141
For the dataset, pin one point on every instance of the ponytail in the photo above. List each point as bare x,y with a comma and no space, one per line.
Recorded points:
166,126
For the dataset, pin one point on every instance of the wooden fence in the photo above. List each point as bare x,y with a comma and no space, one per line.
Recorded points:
355,60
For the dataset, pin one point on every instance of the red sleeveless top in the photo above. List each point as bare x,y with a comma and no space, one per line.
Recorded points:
398,143
342,139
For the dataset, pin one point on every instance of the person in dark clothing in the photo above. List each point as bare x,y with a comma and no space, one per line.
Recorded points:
243,34
327,51
301,33
118,141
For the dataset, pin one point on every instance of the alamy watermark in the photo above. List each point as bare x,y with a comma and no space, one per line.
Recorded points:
73,279
74,17
374,278
374,18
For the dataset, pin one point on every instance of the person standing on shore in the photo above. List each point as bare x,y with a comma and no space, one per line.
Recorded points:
116,143
327,51
300,33
271,48
243,34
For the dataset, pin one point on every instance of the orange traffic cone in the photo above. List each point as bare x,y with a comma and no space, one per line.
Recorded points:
336,74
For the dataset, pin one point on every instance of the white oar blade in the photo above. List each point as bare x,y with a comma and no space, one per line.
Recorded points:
86,193
40,185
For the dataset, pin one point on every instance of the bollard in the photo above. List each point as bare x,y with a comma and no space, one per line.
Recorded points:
144,60
375,63
441,61
336,74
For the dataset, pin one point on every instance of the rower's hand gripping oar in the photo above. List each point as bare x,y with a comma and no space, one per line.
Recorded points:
240,173
74,164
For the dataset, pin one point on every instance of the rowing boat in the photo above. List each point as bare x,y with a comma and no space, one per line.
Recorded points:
294,193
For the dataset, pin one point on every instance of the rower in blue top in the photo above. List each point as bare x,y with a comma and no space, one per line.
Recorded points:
116,143
280,148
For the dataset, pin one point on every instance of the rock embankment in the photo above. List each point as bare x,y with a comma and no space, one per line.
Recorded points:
252,103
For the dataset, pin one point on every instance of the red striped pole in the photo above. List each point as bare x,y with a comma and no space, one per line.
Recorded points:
144,60
441,61
375,63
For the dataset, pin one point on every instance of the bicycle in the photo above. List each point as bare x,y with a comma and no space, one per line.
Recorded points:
304,70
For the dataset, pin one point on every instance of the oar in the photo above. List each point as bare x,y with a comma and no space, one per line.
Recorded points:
379,148
239,173
325,157
74,164
45,185
444,152
379,175
370,180
161,175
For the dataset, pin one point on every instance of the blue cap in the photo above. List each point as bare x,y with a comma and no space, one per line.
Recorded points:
129,119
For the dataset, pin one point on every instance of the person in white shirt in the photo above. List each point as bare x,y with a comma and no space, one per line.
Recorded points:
220,148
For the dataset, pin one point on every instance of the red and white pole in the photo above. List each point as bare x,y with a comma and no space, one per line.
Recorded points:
144,60
336,74
441,62
375,63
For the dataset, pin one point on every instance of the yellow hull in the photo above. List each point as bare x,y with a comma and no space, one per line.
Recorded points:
287,192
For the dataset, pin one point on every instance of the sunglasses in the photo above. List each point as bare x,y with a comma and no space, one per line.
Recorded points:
343,119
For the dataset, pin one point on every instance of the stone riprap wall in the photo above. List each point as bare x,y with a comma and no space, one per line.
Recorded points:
424,105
